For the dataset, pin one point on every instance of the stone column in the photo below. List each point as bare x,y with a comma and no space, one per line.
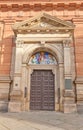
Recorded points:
16,94
67,65
18,67
69,95
24,86
61,72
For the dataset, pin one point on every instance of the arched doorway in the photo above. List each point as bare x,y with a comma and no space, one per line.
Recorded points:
33,38
42,83
42,95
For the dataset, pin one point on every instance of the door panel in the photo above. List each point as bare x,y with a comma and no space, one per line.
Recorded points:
42,90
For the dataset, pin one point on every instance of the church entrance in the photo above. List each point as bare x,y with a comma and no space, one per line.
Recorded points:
42,71
42,95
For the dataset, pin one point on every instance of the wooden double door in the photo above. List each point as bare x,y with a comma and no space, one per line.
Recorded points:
42,93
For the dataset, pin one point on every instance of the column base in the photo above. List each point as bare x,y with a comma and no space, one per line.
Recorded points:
15,104
57,107
3,106
69,102
80,107
15,107
61,107
25,105
70,108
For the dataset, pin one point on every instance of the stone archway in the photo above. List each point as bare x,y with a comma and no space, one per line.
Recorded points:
57,70
55,40
27,70
46,69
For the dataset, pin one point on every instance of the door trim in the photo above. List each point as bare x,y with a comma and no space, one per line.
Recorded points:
54,69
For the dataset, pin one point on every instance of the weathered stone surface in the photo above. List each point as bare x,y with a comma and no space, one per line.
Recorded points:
4,106
69,93
70,108
16,95
15,106
69,102
80,107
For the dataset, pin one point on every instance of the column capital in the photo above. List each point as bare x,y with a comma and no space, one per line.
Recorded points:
61,65
66,42
19,43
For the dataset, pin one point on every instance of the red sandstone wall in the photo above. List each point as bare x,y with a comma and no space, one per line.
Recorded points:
79,46
15,11
6,49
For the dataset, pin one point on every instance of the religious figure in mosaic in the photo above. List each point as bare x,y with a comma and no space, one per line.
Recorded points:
42,58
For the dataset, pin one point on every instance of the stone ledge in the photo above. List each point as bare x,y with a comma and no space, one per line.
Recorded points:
79,80
5,79
69,100
38,5
69,93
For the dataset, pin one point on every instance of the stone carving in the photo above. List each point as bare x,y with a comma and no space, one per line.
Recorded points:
67,42
19,43
59,47
42,23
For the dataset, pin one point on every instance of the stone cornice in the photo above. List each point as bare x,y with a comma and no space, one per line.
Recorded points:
43,23
47,6
5,79
79,80
43,31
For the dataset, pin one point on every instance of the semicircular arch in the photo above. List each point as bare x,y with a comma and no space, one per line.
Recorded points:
48,48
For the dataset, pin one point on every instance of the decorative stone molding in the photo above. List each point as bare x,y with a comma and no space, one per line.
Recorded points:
19,43
67,42
59,47
37,6
42,42
48,47
79,80
67,59
5,79
50,24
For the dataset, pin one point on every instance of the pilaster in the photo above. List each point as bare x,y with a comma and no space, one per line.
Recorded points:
69,95
15,104
61,76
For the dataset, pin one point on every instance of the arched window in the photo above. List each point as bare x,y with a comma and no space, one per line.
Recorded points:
42,58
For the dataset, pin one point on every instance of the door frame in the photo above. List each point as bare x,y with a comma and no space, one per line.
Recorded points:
54,68
42,85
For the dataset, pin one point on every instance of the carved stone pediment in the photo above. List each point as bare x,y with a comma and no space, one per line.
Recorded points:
42,23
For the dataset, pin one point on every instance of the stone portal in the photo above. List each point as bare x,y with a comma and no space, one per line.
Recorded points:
40,37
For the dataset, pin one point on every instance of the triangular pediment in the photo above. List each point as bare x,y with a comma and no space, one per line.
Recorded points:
42,22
